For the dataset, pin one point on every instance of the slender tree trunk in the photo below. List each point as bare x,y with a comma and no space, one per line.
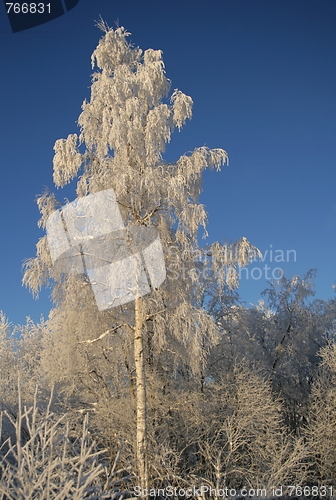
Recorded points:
140,395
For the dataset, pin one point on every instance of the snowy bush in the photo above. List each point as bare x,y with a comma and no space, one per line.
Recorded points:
48,461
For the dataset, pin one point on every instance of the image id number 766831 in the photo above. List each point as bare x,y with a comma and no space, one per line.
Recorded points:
28,8
307,491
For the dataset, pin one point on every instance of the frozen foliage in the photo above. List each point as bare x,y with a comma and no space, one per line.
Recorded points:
224,424
282,334
7,356
246,444
233,435
46,460
321,429
66,155
124,129
19,349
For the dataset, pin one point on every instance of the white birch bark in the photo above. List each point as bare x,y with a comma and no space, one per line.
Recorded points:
140,395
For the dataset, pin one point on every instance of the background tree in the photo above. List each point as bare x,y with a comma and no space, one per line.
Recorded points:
7,358
297,329
282,335
19,354
321,429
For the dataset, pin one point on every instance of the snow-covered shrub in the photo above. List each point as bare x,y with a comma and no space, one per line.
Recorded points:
321,428
47,460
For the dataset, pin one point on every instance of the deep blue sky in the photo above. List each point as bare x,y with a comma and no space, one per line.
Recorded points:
262,74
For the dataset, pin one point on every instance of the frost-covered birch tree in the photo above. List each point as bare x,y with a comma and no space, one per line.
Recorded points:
124,129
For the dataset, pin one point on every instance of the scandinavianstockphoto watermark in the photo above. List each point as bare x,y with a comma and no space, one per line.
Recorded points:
122,261
270,264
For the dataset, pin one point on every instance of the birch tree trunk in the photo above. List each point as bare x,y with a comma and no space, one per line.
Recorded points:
140,396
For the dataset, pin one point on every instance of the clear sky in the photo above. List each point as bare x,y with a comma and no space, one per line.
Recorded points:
262,74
